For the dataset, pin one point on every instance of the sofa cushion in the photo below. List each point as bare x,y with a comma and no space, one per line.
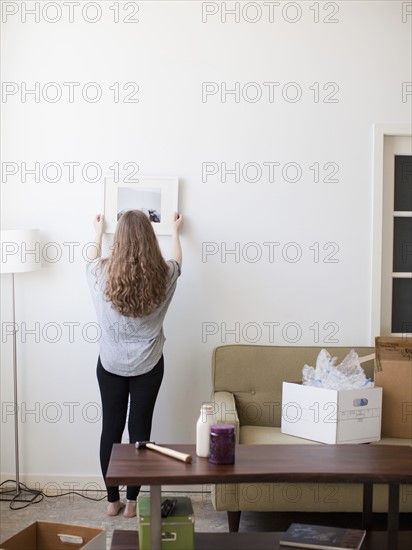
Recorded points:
255,435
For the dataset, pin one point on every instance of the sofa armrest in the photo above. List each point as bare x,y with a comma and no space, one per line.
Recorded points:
225,409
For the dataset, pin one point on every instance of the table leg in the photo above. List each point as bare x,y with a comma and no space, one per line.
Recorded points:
155,517
393,516
367,506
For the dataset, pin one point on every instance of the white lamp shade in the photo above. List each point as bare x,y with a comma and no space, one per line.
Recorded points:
20,250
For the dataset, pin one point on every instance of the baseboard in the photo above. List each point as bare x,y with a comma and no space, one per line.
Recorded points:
87,485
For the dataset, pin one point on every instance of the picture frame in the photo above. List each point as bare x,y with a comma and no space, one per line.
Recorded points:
155,195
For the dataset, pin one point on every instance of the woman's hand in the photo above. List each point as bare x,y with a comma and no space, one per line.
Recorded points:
98,223
96,250
177,222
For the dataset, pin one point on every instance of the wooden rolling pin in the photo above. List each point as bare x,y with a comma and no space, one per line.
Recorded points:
163,450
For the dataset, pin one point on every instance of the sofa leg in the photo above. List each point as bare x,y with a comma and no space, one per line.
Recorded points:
233,519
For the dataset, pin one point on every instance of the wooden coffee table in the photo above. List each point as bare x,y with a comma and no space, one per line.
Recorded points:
127,540
365,464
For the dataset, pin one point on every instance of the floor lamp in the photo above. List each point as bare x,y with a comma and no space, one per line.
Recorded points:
20,252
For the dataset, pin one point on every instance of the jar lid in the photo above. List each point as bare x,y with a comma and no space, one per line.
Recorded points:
222,428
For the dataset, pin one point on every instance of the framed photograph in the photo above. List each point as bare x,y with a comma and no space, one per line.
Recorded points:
157,196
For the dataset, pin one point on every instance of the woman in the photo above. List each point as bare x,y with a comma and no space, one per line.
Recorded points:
131,290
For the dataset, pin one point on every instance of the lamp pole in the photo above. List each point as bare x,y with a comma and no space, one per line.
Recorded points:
16,406
16,257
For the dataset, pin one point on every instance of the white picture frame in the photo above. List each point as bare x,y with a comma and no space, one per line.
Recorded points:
156,195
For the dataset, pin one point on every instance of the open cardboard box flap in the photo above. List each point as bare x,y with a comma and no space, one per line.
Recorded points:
46,535
390,349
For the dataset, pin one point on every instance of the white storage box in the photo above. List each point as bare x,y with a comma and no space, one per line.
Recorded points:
331,416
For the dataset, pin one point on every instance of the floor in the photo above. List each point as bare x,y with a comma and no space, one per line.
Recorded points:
78,510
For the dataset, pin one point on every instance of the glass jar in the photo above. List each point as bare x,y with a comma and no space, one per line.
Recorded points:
205,422
222,444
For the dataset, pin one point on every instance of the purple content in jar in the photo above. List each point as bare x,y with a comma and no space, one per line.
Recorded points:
222,444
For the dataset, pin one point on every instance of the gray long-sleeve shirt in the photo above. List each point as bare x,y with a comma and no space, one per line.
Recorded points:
129,346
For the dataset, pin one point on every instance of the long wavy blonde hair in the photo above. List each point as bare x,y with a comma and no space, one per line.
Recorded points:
136,272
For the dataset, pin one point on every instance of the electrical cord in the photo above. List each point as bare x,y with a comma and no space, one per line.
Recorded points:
37,496
16,503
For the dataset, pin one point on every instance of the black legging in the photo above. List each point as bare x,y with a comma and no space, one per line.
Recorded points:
115,391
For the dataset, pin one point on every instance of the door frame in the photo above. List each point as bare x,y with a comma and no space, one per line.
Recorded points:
381,130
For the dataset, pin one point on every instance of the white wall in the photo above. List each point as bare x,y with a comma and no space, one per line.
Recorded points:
169,53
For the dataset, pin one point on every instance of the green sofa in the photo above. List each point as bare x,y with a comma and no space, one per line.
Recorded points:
247,390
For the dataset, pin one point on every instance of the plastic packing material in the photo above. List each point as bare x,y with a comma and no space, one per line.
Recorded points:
348,375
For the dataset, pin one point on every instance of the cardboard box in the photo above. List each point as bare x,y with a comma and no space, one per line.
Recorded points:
393,373
178,531
331,416
46,535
